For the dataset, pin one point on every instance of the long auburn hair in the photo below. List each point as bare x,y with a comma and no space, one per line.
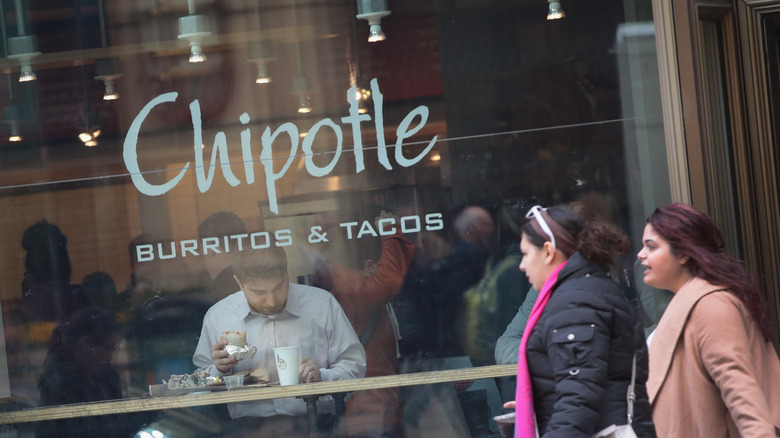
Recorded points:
693,234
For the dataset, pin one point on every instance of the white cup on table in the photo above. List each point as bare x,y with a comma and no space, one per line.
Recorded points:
286,359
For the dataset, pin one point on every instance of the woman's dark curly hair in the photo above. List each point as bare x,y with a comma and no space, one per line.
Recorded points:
599,242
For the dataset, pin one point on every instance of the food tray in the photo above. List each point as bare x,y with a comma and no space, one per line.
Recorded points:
162,390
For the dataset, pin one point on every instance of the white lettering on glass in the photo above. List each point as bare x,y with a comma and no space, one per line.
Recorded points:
348,226
406,228
283,237
354,119
144,253
260,244
220,153
130,151
308,153
220,148
189,246
434,222
386,231
246,150
266,157
264,239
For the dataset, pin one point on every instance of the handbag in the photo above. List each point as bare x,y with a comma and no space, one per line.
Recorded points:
624,430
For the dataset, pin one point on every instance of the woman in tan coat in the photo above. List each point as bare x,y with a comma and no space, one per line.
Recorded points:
713,370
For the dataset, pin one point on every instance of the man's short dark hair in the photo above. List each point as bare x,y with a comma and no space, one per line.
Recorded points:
260,263
221,223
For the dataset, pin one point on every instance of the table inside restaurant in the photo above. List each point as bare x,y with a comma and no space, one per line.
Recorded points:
309,392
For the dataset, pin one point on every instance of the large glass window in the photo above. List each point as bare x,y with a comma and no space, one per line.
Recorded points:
144,144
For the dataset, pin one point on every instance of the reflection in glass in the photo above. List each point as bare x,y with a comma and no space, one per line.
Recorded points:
457,132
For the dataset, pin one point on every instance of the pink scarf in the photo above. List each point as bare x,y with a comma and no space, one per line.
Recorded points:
525,424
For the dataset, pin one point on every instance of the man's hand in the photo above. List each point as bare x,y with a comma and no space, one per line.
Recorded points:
308,371
221,358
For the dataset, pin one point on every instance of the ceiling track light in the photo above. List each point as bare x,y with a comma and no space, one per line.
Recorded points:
15,135
24,48
108,71
261,53
300,87
12,117
373,11
194,28
555,11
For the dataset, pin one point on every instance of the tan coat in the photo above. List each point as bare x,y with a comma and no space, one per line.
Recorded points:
712,375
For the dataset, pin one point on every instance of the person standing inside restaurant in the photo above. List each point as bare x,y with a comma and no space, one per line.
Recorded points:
365,296
577,353
713,370
276,313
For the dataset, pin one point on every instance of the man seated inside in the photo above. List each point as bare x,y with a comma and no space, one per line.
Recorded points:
276,313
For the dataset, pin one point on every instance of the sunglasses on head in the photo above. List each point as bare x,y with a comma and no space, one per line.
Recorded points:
536,213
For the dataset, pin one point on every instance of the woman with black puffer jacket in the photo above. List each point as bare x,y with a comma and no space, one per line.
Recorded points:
577,353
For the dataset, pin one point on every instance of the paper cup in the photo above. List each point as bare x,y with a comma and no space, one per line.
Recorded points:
286,359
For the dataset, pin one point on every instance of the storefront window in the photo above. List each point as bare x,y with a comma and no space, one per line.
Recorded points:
157,140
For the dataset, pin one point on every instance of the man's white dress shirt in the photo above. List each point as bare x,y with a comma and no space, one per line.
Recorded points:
312,319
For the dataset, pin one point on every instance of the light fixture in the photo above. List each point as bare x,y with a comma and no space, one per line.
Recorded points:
304,104
555,11
300,85
111,93
194,28
373,11
12,117
261,53
435,156
361,92
15,135
88,135
362,95
301,88
108,71
90,130
24,48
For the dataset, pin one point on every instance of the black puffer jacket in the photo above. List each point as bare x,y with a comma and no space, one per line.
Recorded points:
580,354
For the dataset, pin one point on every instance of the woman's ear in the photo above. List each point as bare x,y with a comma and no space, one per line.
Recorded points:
549,252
